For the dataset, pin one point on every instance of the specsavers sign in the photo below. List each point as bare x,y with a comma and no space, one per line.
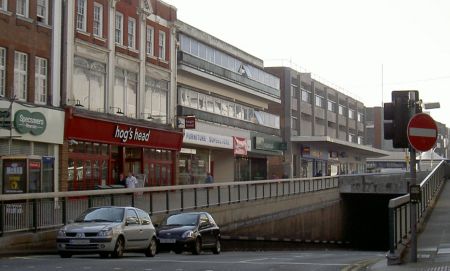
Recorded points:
29,122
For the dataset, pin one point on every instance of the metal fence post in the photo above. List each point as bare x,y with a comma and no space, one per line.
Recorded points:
2,221
392,242
167,201
151,203
195,198
218,195
35,222
182,200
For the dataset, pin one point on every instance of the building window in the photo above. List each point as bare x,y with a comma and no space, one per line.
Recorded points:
98,20
351,137
41,80
20,75
306,96
119,28
341,110
2,71
360,117
331,106
351,114
162,45
125,92
155,103
89,86
4,5
42,11
22,8
132,33
150,41
81,15
318,101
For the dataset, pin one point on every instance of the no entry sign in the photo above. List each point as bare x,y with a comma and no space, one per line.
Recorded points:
422,132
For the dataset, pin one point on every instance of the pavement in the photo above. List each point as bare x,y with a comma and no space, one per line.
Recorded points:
433,243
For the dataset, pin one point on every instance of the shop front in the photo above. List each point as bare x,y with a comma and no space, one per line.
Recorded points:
30,139
99,149
223,155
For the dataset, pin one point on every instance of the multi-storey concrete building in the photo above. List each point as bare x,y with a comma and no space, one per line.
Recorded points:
31,125
118,91
323,128
228,92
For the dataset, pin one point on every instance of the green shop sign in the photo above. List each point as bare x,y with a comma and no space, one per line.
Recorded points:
25,121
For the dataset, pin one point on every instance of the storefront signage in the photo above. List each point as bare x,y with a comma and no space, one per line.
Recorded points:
86,128
27,122
131,134
240,145
189,122
199,138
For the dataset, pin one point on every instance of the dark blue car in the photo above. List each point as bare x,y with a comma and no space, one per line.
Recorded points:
192,231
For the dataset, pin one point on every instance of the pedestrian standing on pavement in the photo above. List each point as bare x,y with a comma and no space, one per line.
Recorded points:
131,181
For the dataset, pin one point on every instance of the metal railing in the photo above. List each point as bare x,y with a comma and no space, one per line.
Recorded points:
400,209
38,211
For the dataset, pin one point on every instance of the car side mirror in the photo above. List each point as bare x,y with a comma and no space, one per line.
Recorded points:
131,221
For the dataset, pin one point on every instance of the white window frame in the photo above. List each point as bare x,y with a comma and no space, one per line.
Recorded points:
81,15
118,28
132,32
25,5
98,20
4,5
341,110
150,41
2,71
318,101
351,114
20,75
42,6
41,82
360,117
162,45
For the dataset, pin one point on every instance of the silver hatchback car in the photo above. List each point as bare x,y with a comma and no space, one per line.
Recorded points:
108,230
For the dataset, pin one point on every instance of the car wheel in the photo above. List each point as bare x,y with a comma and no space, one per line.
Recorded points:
65,255
118,249
178,250
217,248
104,255
152,247
197,247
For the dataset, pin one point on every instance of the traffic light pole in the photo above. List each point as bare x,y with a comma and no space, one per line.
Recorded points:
413,206
413,180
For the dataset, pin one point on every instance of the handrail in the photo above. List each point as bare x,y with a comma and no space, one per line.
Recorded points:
400,210
35,211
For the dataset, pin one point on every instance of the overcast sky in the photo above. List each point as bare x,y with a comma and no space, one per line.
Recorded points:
365,48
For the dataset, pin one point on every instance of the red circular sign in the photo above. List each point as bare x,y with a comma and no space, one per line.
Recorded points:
422,132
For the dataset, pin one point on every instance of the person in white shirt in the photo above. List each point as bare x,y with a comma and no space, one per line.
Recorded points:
131,181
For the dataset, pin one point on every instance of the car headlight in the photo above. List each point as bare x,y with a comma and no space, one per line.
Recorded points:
106,232
188,234
61,233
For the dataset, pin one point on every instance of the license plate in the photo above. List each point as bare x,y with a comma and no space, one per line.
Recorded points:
79,241
167,241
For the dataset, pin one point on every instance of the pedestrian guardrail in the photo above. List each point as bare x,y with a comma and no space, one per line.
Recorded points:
38,211
400,211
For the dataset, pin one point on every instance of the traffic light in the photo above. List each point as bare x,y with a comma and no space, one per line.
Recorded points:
397,115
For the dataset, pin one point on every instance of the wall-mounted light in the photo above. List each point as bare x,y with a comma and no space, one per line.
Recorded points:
151,117
118,112
77,102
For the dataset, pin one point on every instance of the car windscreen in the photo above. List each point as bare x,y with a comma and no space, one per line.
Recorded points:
102,215
182,219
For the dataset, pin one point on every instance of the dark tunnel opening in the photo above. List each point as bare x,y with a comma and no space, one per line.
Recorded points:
366,220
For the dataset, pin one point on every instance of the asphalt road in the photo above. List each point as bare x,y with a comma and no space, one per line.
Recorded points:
226,261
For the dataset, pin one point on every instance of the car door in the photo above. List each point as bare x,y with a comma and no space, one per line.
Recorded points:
148,231
134,236
205,230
